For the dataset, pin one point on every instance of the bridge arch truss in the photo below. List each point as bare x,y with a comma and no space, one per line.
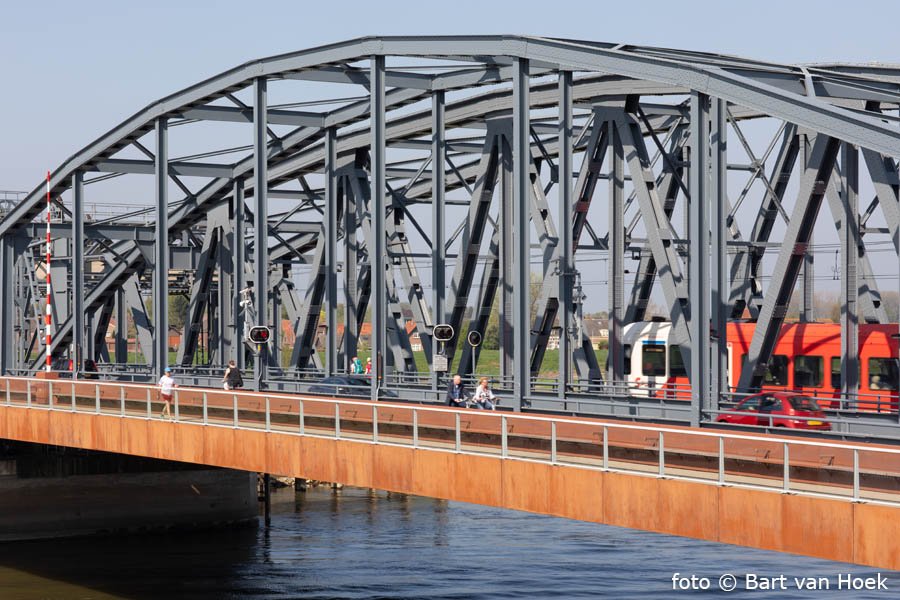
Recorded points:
347,174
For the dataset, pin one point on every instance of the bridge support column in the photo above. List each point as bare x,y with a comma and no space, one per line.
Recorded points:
566,265
161,258
260,220
377,258
121,337
351,274
438,251
238,250
521,218
698,265
77,272
331,216
6,307
719,249
850,241
616,262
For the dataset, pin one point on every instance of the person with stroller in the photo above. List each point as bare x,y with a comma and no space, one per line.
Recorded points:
484,397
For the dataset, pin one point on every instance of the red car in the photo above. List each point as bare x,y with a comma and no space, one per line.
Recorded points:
776,409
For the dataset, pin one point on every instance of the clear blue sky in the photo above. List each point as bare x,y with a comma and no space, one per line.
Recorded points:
73,70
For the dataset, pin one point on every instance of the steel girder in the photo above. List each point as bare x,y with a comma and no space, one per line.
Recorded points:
813,185
823,100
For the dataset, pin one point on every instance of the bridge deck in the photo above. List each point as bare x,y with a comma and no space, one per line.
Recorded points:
829,499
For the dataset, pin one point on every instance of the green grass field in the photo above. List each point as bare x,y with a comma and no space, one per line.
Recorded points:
488,362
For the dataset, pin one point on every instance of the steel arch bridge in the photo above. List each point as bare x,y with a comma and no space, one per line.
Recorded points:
476,159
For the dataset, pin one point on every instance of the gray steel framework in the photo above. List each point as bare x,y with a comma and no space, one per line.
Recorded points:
501,142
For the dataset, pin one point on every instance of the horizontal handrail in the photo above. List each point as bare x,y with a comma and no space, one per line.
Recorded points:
500,416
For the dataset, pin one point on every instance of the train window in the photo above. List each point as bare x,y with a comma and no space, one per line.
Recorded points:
808,371
654,360
777,373
676,362
627,352
836,372
883,374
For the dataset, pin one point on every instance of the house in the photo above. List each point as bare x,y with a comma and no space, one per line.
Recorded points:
597,330
365,335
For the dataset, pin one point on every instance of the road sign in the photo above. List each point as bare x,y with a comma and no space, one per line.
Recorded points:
259,335
474,338
443,332
440,363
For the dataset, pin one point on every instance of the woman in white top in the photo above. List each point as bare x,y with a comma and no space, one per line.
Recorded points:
167,387
484,397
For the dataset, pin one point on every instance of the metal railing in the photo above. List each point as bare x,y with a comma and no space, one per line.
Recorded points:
855,472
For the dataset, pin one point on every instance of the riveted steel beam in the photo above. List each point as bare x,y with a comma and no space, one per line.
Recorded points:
817,172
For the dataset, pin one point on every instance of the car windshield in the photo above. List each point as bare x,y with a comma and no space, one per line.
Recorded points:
803,403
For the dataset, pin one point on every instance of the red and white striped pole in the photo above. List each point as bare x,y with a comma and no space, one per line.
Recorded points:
49,286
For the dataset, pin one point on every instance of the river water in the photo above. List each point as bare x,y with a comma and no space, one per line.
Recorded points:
355,543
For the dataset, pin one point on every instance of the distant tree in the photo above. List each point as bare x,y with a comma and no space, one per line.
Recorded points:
178,309
827,307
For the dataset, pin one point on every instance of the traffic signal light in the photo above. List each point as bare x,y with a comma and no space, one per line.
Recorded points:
259,335
443,332
474,338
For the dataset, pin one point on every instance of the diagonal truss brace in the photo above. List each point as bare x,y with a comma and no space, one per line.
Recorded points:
813,186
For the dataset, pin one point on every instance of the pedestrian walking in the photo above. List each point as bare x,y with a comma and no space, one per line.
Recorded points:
167,387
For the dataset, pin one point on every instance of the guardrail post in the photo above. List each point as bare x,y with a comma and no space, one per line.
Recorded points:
234,406
73,396
49,394
721,460
268,414
149,405
605,447
458,434
177,413
787,468
415,428
504,439
205,409
553,442
337,421
374,424
28,393
662,455
121,401
97,397
8,400
856,474
302,423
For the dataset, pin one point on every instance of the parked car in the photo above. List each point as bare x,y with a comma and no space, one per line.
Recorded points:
347,385
776,409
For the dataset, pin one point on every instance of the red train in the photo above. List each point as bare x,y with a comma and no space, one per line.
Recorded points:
807,359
